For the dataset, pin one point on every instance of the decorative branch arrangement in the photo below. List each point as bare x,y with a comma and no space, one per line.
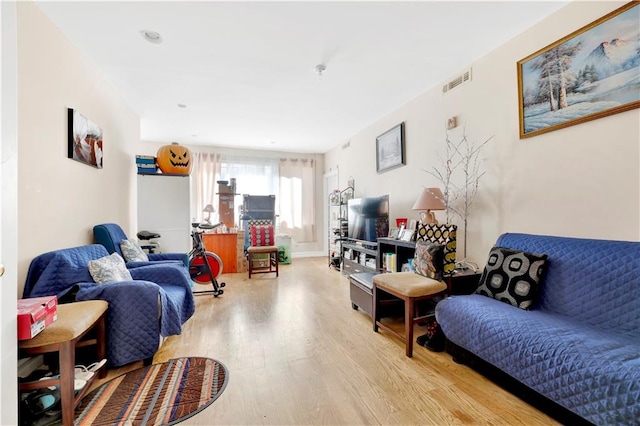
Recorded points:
460,176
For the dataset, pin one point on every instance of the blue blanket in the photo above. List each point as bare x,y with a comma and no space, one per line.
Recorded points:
156,302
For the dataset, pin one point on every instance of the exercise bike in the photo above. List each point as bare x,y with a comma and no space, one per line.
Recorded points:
204,267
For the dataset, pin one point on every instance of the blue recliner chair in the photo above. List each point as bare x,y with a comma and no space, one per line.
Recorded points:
110,235
156,302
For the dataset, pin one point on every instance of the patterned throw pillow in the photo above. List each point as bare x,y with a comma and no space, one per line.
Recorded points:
262,235
109,268
443,234
513,276
132,252
429,259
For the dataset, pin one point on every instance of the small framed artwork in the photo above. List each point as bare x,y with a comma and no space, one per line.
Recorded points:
400,231
407,235
84,139
393,232
588,74
390,149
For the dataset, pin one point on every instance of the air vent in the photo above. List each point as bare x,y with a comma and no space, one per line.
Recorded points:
461,79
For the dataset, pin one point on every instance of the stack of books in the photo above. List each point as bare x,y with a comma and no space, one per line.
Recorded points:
146,164
390,262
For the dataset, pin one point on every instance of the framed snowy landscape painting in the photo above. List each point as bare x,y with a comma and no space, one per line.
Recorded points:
591,73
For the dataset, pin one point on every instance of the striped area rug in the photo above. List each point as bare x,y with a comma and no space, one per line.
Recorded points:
159,394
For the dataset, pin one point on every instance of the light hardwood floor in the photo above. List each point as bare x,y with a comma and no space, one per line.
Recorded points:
298,354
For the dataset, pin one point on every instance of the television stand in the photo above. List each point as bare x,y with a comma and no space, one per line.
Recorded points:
359,256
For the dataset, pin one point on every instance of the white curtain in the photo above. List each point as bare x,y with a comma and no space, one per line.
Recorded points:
205,173
254,175
297,199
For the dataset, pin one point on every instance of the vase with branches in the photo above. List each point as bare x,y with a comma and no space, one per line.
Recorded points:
460,174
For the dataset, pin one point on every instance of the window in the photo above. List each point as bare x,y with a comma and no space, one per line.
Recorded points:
292,181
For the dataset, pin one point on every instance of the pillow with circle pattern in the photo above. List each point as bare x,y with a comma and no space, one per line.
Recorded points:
109,268
513,276
261,235
132,252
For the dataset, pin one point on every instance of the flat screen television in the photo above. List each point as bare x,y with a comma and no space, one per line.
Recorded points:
368,218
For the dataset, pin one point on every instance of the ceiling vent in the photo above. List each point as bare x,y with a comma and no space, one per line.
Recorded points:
459,80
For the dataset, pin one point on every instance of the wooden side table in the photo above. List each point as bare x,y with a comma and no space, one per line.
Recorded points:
463,281
64,335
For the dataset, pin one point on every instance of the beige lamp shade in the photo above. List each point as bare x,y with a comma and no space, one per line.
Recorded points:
208,209
429,199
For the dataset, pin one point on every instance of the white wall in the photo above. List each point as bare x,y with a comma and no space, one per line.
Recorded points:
580,181
8,215
59,199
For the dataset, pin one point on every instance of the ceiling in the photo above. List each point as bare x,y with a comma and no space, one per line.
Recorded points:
242,74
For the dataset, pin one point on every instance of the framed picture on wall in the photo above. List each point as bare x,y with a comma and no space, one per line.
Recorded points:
84,139
589,74
390,149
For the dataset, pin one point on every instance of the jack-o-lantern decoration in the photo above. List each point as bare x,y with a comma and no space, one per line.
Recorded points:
174,159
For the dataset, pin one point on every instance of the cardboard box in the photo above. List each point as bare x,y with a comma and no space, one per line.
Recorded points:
35,314
145,159
147,168
224,189
261,260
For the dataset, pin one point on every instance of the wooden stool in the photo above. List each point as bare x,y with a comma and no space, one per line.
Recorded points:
411,288
272,259
63,336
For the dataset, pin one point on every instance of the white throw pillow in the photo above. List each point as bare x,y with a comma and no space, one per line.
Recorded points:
109,268
132,252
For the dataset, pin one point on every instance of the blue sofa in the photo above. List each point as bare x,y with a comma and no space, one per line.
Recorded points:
155,303
579,344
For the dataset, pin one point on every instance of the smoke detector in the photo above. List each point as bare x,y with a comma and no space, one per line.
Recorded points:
151,36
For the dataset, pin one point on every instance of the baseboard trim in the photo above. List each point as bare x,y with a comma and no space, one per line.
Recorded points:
309,254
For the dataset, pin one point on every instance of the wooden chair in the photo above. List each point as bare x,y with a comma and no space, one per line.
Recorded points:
262,252
64,336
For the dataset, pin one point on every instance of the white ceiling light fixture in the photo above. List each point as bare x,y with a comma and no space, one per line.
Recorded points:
151,36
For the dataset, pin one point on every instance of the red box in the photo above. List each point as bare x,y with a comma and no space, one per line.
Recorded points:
401,221
35,314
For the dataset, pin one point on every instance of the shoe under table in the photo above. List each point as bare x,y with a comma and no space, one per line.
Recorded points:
69,332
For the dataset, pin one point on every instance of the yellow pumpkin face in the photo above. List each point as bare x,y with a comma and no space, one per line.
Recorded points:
174,159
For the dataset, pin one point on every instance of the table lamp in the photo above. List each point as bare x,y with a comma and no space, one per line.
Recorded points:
208,209
430,199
